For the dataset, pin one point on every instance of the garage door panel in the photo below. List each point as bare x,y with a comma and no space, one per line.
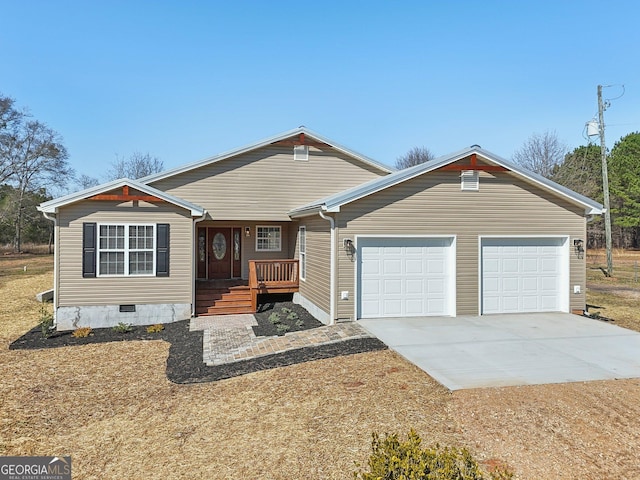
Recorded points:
391,266
414,306
414,267
392,307
530,285
530,265
523,274
414,286
412,276
549,265
436,266
392,286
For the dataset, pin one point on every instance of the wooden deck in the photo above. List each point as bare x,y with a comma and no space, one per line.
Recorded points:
226,297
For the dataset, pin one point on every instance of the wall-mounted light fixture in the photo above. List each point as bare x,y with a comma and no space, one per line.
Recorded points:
578,247
247,231
347,243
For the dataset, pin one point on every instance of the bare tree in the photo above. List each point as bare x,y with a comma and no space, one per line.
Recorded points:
138,165
541,153
415,156
85,181
10,122
39,160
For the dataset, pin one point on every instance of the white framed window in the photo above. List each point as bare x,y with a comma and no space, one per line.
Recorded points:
301,153
268,238
469,180
125,249
302,241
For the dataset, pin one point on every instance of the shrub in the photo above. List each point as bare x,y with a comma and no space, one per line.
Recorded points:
46,322
286,310
82,332
283,328
299,323
123,328
292,316
395,459
274,318
157,328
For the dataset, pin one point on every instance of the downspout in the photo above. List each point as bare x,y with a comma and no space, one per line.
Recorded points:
194,269
55,263
332,280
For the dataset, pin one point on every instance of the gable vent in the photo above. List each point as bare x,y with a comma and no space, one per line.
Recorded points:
469,180
301,152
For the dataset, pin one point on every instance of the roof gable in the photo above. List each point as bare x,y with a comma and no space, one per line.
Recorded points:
102,192
303,135
334,202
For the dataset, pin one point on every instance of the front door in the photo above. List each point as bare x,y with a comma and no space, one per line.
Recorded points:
220,253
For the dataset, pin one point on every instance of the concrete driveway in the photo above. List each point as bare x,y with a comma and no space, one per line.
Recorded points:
502,350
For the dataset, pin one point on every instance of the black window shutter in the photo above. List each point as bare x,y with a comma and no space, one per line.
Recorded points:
162,250
89,244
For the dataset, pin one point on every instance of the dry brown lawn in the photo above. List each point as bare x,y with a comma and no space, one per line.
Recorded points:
112,409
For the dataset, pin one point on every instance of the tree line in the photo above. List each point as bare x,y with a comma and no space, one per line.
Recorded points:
34,167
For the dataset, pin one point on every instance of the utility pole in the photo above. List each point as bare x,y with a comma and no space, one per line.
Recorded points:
605,184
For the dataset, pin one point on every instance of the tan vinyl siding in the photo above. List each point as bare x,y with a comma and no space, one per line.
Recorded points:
316,285
266,183
433,204
74,290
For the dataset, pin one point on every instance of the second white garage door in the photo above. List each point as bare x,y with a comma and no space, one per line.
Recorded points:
403,277
524,275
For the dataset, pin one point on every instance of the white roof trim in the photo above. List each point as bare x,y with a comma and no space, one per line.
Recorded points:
333,202
262,143
52,206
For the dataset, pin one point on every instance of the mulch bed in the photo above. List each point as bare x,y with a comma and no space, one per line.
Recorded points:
290,318
184,363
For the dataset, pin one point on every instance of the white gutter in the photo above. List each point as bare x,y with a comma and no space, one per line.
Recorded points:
55,263
332,281
194,269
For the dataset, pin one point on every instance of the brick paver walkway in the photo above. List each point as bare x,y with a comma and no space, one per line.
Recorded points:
230,338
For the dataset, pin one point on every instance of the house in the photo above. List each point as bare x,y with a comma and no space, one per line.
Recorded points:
465,234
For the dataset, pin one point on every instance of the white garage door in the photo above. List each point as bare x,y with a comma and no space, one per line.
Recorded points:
524,275
400,277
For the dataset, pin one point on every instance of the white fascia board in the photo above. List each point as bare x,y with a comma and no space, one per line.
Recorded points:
263,143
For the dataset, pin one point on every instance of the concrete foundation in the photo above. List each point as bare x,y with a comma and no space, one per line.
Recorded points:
104,316
312,308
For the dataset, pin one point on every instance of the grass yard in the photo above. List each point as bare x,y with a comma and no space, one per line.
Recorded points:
616,297
111,407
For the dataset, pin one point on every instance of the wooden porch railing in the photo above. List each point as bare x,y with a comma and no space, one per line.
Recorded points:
272,276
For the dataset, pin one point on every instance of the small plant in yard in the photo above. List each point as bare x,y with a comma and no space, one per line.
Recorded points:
299,323
82,332
157,328
275,318
292,316
286,310
393,458
283,328
123,328
46,322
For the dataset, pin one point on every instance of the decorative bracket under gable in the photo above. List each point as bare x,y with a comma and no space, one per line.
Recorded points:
301,140
473,165
125,196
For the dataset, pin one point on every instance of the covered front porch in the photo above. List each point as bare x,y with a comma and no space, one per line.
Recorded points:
235,296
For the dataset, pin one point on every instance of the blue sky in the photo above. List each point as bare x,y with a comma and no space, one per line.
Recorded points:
184,80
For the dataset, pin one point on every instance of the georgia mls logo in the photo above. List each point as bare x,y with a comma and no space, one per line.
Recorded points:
35,468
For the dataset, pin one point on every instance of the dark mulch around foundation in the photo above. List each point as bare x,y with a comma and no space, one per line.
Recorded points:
184,363
280,317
